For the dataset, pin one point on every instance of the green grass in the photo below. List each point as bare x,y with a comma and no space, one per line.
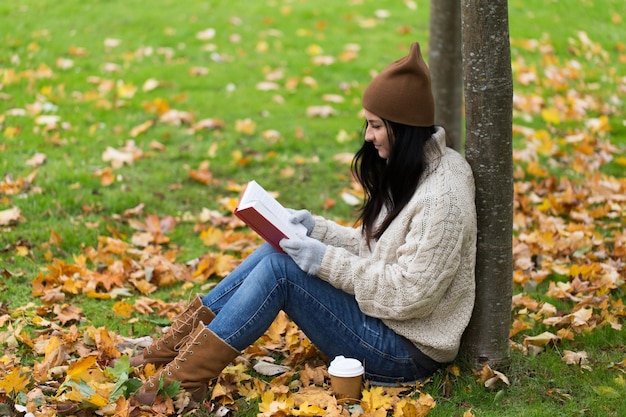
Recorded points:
158,40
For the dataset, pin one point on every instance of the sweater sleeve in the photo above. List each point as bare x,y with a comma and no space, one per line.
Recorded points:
412,284
334,234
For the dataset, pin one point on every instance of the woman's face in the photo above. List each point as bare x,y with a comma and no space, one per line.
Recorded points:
376,132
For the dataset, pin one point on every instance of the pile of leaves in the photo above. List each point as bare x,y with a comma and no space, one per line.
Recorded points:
83,370
569,230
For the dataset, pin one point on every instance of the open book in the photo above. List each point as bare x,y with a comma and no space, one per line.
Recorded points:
266,216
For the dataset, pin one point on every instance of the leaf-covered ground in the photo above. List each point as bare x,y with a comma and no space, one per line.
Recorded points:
569,243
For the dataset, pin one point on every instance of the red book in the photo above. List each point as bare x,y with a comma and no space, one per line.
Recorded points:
266,216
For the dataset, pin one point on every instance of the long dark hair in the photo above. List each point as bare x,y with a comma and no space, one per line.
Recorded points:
390,183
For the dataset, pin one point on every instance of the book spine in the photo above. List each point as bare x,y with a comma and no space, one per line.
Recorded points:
262,227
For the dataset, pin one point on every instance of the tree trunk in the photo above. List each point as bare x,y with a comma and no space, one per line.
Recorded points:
444,59
489,150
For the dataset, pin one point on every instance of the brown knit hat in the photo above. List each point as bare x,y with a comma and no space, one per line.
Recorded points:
402,92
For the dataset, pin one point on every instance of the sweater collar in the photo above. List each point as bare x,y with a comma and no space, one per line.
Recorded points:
434,149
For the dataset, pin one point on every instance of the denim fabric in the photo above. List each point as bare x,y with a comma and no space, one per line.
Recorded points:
247,301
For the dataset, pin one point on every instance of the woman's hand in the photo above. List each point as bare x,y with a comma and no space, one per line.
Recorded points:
303,217
306,252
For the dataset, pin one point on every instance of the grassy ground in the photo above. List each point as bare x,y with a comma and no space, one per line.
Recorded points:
88,61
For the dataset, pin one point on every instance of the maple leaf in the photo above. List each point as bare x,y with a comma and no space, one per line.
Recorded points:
14,380
576,358
66,313
154,230
374,399
105,344
54,352
81,370
251,390
306,409
83,392
320,397
123,309
313,376
407,407
275,406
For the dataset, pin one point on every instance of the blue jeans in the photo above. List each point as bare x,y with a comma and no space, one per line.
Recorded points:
248,300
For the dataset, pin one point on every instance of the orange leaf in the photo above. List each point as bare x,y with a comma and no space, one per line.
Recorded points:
141,128
55,238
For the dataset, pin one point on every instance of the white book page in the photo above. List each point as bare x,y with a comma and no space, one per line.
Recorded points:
270,208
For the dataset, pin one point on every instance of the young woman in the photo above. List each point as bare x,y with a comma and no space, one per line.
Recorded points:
396,293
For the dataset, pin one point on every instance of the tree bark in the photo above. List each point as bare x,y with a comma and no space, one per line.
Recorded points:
444,59
489,150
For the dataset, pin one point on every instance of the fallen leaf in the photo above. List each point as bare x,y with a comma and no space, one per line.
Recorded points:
10,216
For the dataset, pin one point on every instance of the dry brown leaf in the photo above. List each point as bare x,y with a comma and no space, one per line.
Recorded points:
10,216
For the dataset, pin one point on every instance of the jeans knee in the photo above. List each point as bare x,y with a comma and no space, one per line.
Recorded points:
276,264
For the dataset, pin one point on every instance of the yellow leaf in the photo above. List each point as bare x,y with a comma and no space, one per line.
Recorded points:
79,370
212,236
543,339
374,399
454,369
427,400
22,251
308,410
245,126
266,399
607,392
123,309
97,400
14,381
551,116
314,50
126,90
11,132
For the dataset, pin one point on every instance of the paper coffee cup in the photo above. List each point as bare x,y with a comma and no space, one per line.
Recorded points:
346,378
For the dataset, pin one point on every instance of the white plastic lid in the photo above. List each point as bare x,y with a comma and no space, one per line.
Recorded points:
345,367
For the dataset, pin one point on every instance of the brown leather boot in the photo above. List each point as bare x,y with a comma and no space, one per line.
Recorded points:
202,359
165,349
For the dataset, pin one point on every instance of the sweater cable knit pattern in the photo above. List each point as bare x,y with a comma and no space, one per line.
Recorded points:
419,276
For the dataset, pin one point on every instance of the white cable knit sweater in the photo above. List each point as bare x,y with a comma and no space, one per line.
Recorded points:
419,276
